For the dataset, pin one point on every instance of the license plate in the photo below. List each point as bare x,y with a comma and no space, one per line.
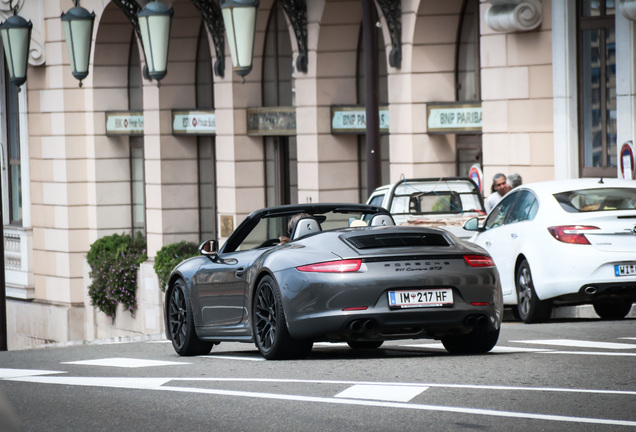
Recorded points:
421,298
625,269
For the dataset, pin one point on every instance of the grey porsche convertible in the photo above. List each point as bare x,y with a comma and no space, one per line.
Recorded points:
292,275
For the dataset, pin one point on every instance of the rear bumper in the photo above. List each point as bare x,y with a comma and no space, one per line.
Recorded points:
399,324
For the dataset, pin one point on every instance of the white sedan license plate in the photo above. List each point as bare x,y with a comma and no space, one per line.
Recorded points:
421,298
625,269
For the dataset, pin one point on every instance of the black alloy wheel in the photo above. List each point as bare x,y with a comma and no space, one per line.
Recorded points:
181,324
271,335
612,309
530,308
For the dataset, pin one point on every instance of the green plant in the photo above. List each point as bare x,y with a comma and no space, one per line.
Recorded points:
114,261
169,256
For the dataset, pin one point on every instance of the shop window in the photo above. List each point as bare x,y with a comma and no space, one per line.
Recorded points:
597,87
137,185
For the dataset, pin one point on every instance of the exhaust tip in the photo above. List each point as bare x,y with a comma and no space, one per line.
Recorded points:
470,321
590,290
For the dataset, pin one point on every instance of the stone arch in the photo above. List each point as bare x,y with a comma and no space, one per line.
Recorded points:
429,35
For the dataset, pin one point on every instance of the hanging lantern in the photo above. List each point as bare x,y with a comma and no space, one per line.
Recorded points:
16,39
155,22
78,29
239,17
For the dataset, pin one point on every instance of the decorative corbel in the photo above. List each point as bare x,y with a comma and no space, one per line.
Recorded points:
392,11
211,14
130,8
514,15
296,11
628,9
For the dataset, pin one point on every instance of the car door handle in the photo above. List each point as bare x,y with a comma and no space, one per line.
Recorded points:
513,235
239,272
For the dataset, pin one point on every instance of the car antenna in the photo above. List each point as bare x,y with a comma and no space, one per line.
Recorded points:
601,181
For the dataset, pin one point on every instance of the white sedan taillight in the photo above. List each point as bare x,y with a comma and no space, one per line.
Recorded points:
573,234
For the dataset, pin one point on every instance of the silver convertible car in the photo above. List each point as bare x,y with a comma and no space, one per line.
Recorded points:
293,275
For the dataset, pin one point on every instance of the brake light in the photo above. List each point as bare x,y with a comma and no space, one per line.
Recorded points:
573,234
340,266
479,261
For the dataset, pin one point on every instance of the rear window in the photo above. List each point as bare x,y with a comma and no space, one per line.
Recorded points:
593,200
436,197
395,241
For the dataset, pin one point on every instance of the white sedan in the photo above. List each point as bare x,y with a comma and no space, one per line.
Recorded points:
564,242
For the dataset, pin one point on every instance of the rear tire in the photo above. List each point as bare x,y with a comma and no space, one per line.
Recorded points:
365,344
271,335
612,309
181,323
530,308
478,341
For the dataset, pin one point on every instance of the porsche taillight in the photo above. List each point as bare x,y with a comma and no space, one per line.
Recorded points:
573,234
339,266
479,261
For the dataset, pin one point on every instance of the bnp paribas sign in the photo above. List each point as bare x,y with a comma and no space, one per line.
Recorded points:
454,118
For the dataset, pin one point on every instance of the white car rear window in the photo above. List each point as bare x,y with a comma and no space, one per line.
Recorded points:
593,200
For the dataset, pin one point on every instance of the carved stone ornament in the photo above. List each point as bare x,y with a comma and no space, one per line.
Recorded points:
628,9
31,11
514,15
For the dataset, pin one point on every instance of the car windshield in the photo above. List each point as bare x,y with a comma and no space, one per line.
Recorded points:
593,200
273,230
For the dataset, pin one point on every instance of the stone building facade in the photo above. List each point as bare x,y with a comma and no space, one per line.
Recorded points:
551,84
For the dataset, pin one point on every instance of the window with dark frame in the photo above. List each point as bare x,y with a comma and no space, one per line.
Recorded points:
383,99
13,151
597,88
468,83
281,164
137,172
206,145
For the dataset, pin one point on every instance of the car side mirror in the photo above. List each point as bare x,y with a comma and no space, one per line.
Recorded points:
472,224
209,248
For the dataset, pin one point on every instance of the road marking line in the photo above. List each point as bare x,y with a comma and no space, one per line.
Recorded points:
156,384
578,343
16,373
600,353
222,357
45,380
124,362
496,349
402,405
388,393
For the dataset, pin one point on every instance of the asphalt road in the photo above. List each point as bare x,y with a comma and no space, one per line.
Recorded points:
562,376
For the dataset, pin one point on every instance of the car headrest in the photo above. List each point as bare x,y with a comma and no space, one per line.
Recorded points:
382,220
304,227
